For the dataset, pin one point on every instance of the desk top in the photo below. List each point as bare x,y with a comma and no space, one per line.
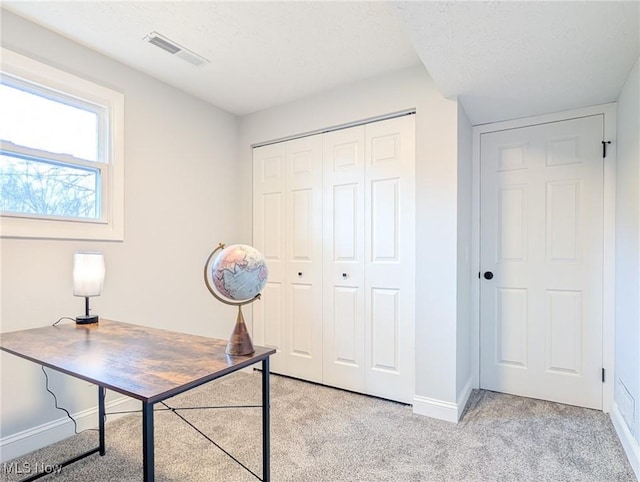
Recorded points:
144,363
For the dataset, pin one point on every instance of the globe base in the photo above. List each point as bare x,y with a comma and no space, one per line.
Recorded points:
239,342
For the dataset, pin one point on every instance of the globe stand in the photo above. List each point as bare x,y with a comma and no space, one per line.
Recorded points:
239,342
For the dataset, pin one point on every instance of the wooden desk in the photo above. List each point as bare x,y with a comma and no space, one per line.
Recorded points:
148,364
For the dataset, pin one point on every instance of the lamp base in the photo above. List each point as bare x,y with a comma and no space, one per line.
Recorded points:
86,319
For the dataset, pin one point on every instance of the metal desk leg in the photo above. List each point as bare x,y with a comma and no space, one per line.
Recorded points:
147,442
101,412
266,449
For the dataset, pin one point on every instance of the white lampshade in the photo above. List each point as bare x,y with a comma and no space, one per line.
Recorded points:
88,273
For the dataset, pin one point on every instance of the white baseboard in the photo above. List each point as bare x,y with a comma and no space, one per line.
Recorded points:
463,396
630,445
434,408
448,411
27,441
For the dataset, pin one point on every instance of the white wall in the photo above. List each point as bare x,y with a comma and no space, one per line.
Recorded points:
185,191
181,198
436,188
627,343
465,275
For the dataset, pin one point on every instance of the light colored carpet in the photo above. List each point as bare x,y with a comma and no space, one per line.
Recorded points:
323,434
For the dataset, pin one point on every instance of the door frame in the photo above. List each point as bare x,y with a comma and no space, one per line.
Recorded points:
608,111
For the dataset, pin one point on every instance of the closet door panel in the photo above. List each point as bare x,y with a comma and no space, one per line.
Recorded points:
385,220
346,328
303,318
390,258
269,199
343,231
346,224
385,349
301,330
268,318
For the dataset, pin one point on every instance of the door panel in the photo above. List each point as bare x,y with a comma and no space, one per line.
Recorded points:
385,329
564,326
272,226
563,235
390,258
346,326
345,222
268,316
302,330
288,196
344,330
303,318
302,223
512,326
512,224
542,237
268,238
385,217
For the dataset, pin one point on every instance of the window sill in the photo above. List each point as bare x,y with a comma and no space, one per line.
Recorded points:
35,228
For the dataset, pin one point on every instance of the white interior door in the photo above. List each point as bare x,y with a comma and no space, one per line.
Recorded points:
268,237
542,239
390,258
303,317
343,232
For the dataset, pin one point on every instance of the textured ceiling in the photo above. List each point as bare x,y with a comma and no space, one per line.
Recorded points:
502,59
262,53
506,60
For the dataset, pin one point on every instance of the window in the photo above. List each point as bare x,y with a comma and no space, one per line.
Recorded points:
61,154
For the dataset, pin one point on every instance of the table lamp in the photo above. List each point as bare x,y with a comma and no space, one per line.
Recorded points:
88,277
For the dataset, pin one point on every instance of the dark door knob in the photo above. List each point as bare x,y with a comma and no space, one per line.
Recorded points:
488,275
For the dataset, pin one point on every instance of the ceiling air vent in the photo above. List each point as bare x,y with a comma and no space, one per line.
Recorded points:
173,48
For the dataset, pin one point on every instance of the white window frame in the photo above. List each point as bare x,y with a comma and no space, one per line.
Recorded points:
110,225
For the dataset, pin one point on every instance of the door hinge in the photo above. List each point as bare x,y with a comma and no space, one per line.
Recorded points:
604,148
603,375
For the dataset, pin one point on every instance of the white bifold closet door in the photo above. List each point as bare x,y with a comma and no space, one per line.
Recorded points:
287,219
369,258
334,214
